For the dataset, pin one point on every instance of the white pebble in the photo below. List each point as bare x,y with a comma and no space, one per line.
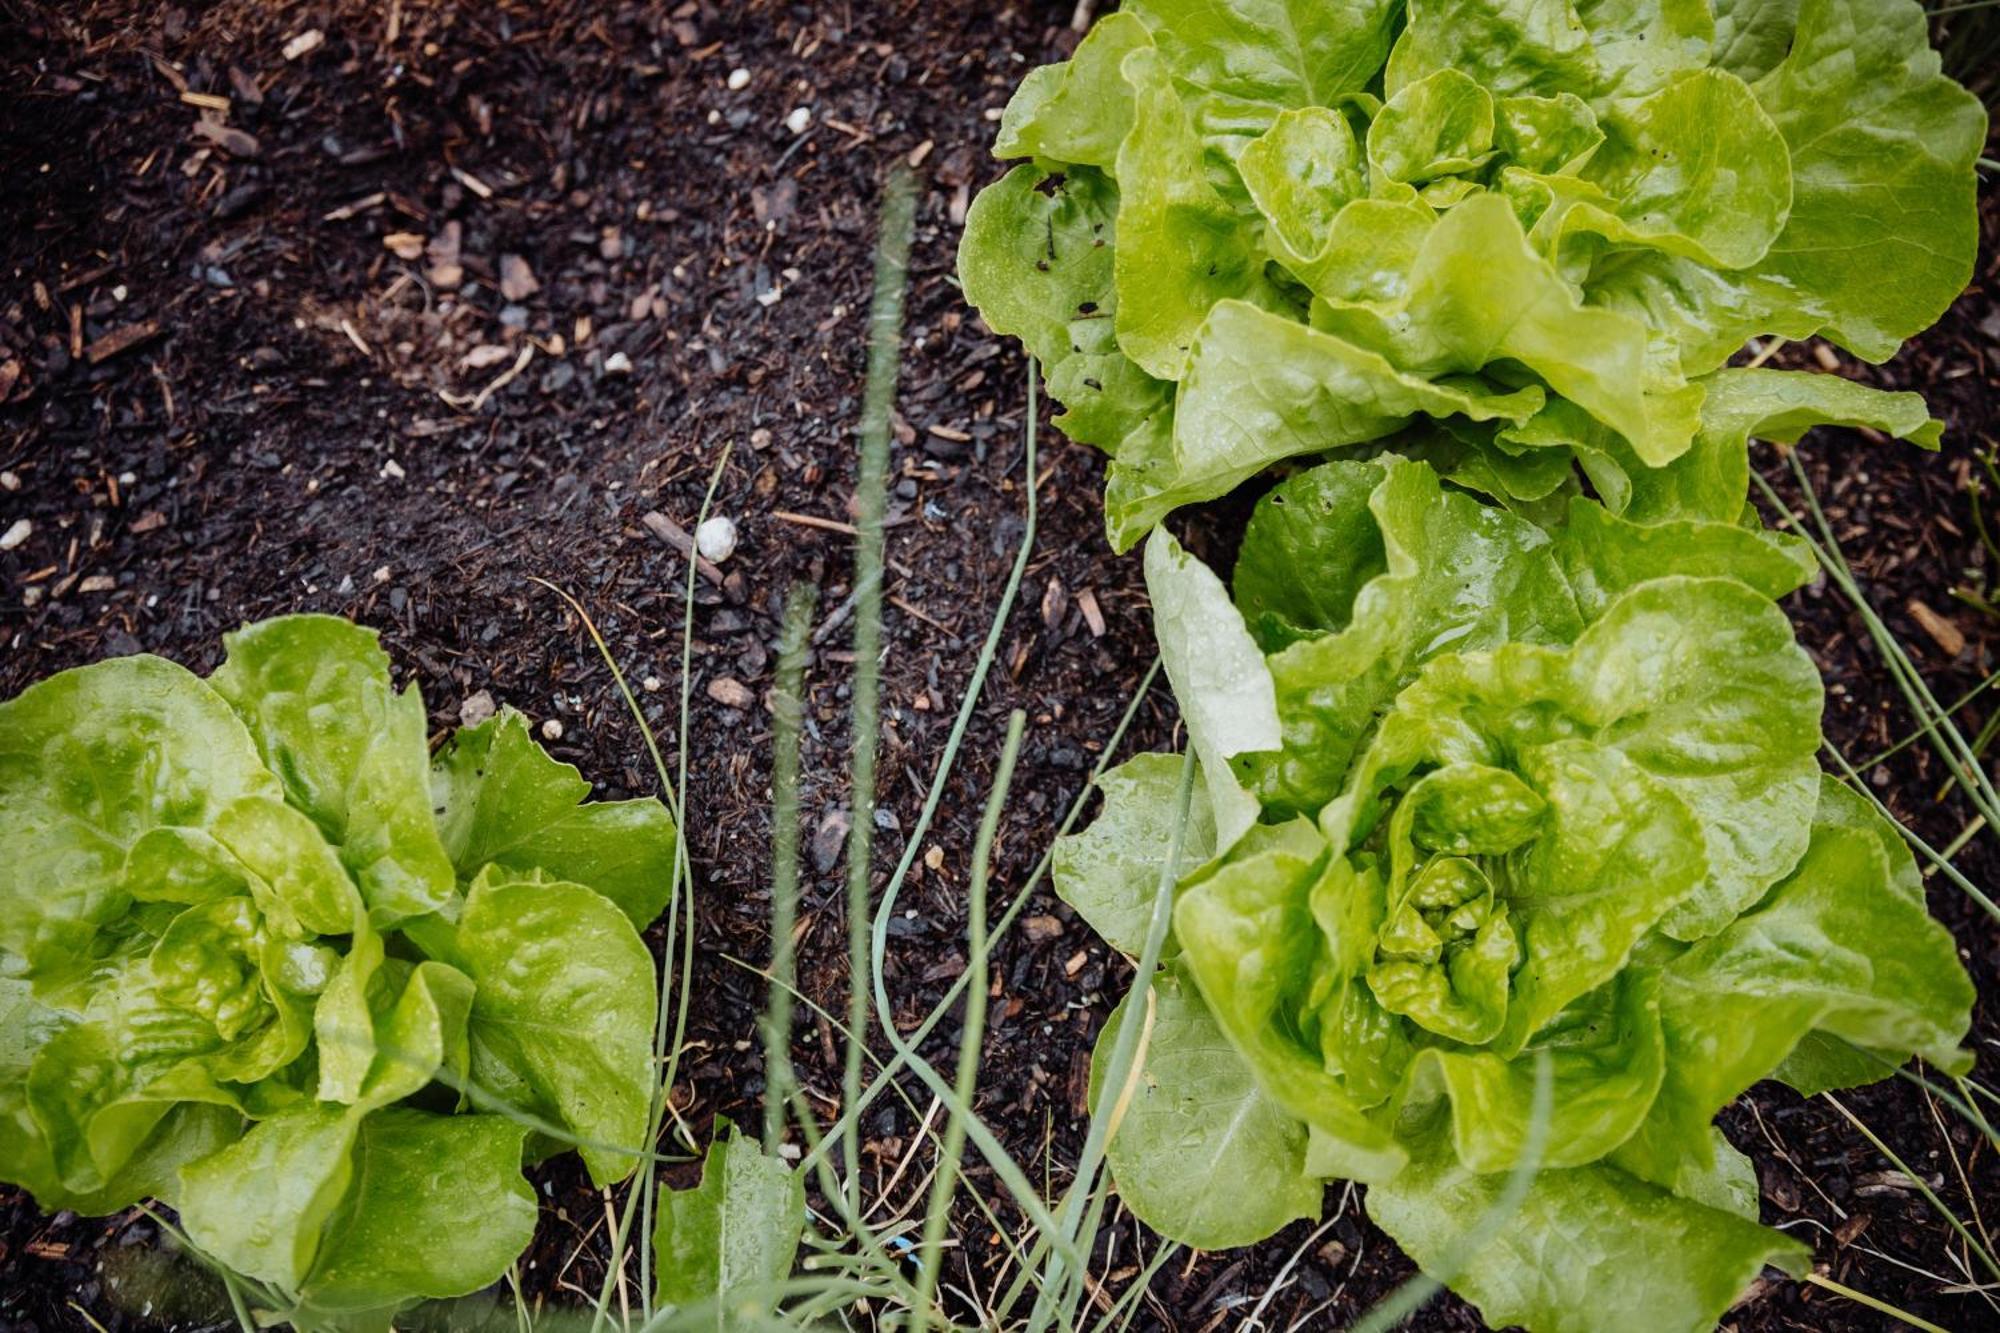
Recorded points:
739,79
21,530
715,539
393,471
10,480
552,729
618,364
800,118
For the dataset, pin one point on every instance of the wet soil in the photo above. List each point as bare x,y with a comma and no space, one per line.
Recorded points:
451,298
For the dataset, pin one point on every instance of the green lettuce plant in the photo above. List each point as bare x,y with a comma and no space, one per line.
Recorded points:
1478,794
1509,851
263,958
1249,230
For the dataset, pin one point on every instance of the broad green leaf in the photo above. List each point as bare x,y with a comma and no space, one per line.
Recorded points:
1588,1248
1080,111
1607,1059
1695,168
1218,674
351,752
1035,260
185,1132
733,1238
1517,46
1478,293
258,1206
1261,388
1181,246
1604,555
384,1033
1712,480
422,1033
1248,934
1700,683
1868,117
91,761
1439,125
209,1013
1311,545
1752,36
438,1208
344,1021
1239,63
1110,872
1300,173
1105,396
1546,135
502,801
1836,949
295,877
1199,1153
562,1010
1455,576
1621,851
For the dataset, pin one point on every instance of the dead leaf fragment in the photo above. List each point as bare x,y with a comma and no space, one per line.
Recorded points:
1946,634
731,693
235,142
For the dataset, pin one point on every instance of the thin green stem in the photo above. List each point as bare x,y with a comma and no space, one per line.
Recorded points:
885,331
1125,1043
972,1035
1917,1182
1879,1306
788,712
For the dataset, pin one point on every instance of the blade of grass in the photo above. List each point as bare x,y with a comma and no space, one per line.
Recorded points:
973,1032
885,332
674,788
1930,1196
1124,1044
1880,1307
788,706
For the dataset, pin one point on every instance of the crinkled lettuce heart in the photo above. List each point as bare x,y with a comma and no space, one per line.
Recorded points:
1521,819
1554,225
1283,940
257,899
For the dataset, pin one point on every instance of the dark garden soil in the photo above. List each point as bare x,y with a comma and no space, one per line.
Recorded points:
461,294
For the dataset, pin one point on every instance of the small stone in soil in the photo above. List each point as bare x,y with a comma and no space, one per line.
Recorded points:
715,538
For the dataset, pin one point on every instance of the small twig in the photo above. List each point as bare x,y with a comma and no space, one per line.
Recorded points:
674,535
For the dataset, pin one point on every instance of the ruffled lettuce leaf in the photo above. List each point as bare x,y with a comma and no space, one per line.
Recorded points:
501,800
108,772
1585,1247
352,1212
350,750
1198,1151
1595,205
1358,573
1837,949
1110,872
562,1012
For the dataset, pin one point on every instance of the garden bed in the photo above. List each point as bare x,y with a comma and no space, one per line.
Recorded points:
238,379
